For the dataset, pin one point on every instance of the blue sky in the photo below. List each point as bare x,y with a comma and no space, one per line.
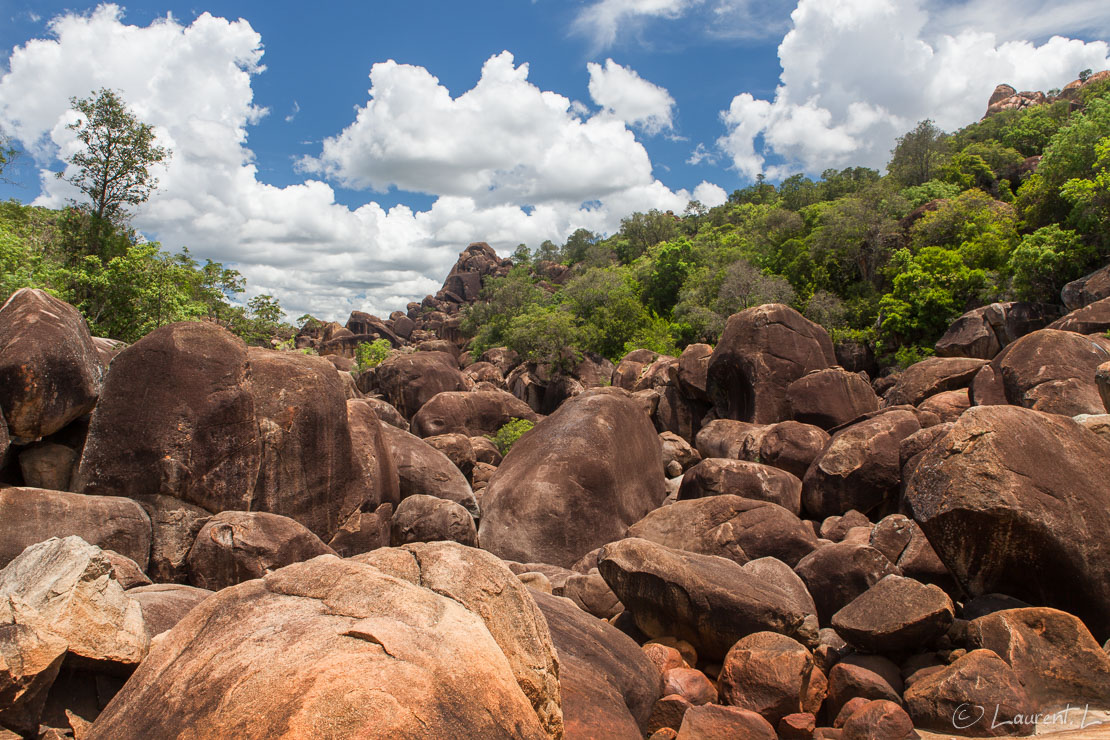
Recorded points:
334,199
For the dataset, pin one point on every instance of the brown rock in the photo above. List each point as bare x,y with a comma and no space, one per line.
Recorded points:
709,601
471,413
762,350
895,614
1094,318
174,528
421,518
728,526
32,656
386,413
714,722
691,373
983,332
879,720
773,570
126,571
308,470
691,684
663,656
592,594
50,369
47,465
1053,371
1055,657
457,448
268,658
978,695
797,726
667,714
408,381
371,450
608,685
564,489
947,405
788,445
166,604
830,397
835,528
836,574
931,376
422,469
715,477
867,676
860,468
1087,289
678,455
772,675
31,515
176,417
727,438
1003,521
236,546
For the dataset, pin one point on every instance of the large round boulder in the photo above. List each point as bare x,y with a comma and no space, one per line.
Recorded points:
422,469
176,416
1015,501
931,376
326,648
1052,370
715,477
472,413
761,352
575,482
371,451
50,370
421,518
830,397
409,380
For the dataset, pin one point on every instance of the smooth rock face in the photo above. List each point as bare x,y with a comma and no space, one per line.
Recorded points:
472,413
831,397
1087,289
408,381
761,352
1003,521
326,648
728,526
236,546
421,518
50,371
308,471
422,469
1094,318
860,468
953,695
1055,657
1053,371
371,450
173,407
31,515
30,658
836,574
879,719
715,722
751,480
708,601
68,583
165,604
788,445
895,614
608,685
726,438
574,483
47,465
174,528
482,584
931,376
866,676
772,675
984,331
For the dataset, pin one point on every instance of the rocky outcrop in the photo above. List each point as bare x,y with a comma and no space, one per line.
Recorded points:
410,380
574,483
983,332
422,469
471,413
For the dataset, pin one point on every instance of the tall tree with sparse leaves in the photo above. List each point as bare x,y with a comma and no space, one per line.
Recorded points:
113,168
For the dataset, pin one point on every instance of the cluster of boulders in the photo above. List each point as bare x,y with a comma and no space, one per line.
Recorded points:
1006,97
749,540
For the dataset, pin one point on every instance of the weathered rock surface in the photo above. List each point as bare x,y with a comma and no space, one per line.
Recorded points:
1003,521
836,574
166,604
715,477
1054,371
472,413
326,648
761,352
879,719
47,465
236,546
984,331
371,451
422,469
176,417
895,614
831,397
726,438
410,380
50,371
574,483
30,658
931,376
1087,289
772,675
730,527
174,528
1094,318
866,676
421,518
31,515
716,722
709,601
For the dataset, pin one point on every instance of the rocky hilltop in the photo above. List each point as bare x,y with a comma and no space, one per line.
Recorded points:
752,540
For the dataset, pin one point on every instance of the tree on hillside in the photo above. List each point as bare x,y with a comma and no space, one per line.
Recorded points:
113,168
8,152
918,154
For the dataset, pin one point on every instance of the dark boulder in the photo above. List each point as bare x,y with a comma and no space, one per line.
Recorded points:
471,413
1054,371
830,397
421,518
983,332
715,477
838,573
422,469
409,380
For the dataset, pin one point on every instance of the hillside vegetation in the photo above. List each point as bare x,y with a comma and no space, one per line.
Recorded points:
1009,208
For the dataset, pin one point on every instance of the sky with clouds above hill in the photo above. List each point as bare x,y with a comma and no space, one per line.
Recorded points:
341,157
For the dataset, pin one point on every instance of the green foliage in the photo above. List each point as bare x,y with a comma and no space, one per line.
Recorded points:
502,300
547,335
1045,261
919,154
113,168
8,152
371,354
641,231
509,433
919,195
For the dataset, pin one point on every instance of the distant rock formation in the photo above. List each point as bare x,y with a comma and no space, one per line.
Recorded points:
1005,97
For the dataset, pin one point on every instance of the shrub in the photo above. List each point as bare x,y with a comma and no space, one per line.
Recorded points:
508,434
371,354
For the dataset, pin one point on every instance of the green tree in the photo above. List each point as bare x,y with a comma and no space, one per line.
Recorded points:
547,335
113,168
918,154
371,354
1046,260
641,231
8,153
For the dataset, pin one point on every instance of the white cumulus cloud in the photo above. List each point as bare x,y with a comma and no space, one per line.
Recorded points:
508,162
858,73
604,19
630,98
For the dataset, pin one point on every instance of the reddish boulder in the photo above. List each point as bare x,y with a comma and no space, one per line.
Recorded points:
931,376
894,615
788,445
386,413
691,684
830,397
836,574
457,448
409,380
947,405
575,482
176,417
678,455
471,413
236,546
166,604
47,465
761,352
422,469
983,332
371,451
726,438
714,722
667,715
866,676
1094,318
1053,371
715,477
690,375
879,720
1003,521
50,370
1087,289
421,518
772,675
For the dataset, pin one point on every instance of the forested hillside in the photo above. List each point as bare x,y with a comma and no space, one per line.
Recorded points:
1009,208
